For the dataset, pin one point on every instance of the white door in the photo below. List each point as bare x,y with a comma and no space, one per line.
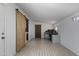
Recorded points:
2,30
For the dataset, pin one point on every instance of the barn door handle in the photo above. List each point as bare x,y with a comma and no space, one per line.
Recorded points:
2,33
2,37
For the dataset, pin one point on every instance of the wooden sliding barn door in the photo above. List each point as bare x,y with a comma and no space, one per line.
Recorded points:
20,43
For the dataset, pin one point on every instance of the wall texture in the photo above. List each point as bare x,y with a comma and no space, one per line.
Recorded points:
69,33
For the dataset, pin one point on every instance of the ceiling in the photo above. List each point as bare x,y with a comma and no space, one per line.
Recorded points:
48,12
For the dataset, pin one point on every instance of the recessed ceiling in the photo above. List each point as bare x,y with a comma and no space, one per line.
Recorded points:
49,12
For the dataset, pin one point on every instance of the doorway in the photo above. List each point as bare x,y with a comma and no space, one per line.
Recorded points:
27,29
20,24
37,31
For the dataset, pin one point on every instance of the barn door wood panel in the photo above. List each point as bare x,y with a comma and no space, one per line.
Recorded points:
20,31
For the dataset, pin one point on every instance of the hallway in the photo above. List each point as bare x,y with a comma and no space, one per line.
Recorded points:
41,47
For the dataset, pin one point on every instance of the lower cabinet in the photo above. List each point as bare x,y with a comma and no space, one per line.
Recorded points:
55,39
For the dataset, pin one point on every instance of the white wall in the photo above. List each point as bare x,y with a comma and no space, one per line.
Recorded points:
69,33
44,27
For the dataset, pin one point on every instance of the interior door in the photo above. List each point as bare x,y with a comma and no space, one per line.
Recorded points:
37,31
2,30
20,30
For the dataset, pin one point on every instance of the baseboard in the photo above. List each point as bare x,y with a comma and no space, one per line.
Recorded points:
69,49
